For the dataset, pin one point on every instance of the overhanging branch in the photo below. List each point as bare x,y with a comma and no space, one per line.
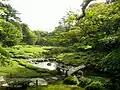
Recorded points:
85,3
84,6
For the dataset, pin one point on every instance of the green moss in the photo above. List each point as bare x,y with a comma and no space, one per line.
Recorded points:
95,86
84,81
71,80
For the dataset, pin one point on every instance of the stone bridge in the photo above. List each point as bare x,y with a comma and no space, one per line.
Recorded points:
69,70
65,69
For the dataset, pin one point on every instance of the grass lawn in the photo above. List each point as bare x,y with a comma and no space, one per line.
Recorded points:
20,68
17,70
26,50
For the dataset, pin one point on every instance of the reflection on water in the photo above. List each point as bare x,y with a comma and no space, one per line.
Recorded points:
46,65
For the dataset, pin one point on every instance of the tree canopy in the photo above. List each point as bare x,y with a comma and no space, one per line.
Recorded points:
85,3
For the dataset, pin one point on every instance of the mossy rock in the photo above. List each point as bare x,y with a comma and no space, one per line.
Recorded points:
84,81
95,86
71,80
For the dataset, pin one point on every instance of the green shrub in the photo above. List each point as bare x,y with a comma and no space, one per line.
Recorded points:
84,81
111,63
10,34
4,55
113,83
4,61
17,47
71,80
55,50
4,52
67,50
95,86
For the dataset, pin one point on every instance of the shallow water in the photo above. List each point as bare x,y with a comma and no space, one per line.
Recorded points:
46,65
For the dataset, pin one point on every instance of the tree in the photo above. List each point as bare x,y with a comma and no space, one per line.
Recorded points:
85,3
28,36
9,34
9,13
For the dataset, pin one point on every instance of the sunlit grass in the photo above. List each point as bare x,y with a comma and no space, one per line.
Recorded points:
26,50
57,87
33,49
16,70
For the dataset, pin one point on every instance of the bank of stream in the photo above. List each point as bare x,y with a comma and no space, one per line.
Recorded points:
62,72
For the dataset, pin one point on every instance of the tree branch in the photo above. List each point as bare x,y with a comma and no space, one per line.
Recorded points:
84,6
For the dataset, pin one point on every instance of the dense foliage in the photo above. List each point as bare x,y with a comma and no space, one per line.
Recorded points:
9,34
94,41
28,36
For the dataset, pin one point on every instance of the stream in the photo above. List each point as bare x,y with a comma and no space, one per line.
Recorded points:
46,65
51,65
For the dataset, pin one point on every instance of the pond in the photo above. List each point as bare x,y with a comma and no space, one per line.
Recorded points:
46,65
51,65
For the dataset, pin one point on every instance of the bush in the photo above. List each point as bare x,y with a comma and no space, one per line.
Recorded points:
3,60
4,52
113,83
95,86
4,55
10,34
84,81
111,63
71,80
